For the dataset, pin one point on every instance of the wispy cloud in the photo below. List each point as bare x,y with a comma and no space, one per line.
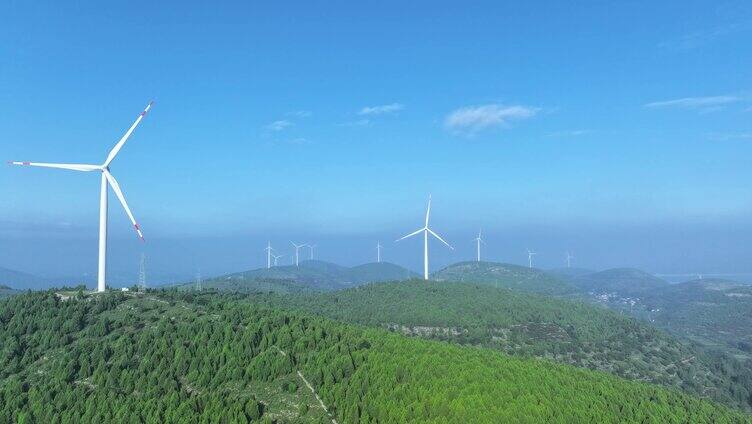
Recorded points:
701,38
706,104
380,110
280,125
571,133
358,123
471,119
730,136
300,113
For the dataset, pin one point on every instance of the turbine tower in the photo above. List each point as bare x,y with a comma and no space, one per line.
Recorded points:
142,273
276,257
425,230
269,250
569,259
378,252
479,240
106,179
530,255
297,250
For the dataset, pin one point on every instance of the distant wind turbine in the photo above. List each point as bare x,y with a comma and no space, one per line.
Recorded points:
569,259
530,255
276,257
311,246
269,250
107,179
425,230
297,250
479,240
378,252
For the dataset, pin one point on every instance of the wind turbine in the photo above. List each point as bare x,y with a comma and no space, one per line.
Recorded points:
311,246
107,179
530,258
276,257
479,240
378,252
269,250
297,249
569,259
425,230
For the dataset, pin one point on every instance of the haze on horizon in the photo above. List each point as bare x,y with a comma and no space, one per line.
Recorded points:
573,129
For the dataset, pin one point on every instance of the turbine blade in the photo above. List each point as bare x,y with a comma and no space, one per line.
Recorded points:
428,211
69,166
119,193
127,134
439,237
411,234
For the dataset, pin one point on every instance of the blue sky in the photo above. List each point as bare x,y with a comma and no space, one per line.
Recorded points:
548,124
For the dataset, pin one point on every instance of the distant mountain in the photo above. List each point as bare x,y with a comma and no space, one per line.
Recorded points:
529,324
310,275
504,276
622,281
21,280
6,291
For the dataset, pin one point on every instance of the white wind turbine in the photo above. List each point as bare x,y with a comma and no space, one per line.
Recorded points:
530,255
269,250
107,179
569,259
479,240
378,252
297,250
276,257
425,230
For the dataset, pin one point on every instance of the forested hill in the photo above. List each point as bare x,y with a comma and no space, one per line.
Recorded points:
505,276
180,357
621,281
310,275
715,313
533,325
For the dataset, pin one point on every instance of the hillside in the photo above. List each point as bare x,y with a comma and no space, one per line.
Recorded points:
715,313
504,276
625,282
310,275
566,273
181,357
532,325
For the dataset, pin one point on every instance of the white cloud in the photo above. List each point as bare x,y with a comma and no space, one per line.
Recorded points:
380,110
709,102
280,125
472,119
